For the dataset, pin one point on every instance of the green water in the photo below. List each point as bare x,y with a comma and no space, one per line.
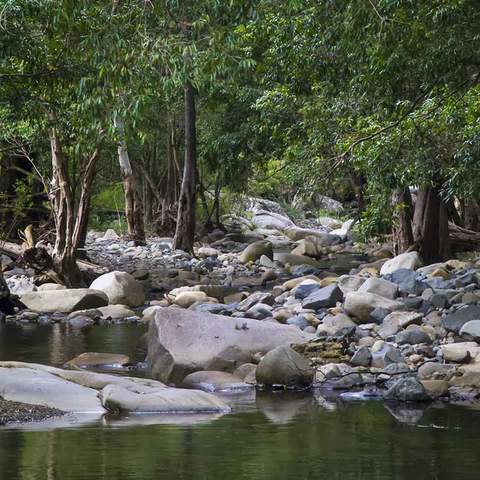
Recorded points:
354,441
280,436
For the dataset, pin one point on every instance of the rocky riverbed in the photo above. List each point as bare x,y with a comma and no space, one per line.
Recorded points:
265,305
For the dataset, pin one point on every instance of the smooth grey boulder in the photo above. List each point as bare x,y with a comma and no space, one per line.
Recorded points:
294,259
160,400
255,250
471,330
407,389
385,356
361,304
325,297
284,366
381,287
64,301
361,358
38,387
456,320
412,337
182,341
212,381
121,289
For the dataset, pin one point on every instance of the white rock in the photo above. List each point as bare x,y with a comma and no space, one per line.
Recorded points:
120,288
410,260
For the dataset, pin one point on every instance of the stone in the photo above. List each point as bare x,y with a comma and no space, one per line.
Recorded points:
260,311
305,289
80,321
435,371
99,360
381,287
460,352
65,301
361,304
407,389
160,400
284,366
120,288
42,388
206,251
246,372
292,259
186,299
255,250
409,260
182,341
299,321
333,325
412,337
213,381
149,313
407,281
110,234
344,230
20,284
50,286
361,358
256,297
435,388
385,355
466,376
325,297
116,312
271,220
455,321
294,282
350,283
471,330
378,315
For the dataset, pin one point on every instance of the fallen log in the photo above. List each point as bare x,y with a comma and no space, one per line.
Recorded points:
462,238
40,260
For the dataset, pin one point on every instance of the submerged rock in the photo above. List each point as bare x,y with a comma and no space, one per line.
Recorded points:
212,381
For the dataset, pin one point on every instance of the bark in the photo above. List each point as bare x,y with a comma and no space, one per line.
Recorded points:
402,228
70,217
133,207
358,185
431,226
471,215
185,230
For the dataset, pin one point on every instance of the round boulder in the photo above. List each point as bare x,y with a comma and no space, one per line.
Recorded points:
120,288
284,366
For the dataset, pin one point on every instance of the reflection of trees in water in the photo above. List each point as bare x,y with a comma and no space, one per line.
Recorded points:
65,342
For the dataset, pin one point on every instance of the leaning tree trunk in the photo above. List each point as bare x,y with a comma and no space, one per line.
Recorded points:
402,225
185,230
430,226
133,207
63,208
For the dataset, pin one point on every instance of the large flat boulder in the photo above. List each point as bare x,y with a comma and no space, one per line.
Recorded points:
182,341
64,301
38,387
161,400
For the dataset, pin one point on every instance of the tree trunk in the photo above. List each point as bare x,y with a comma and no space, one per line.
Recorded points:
431,226
185,230
133,207
358,185
402,227
63,207
471,215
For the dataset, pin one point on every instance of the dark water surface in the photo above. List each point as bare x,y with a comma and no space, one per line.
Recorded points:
273,436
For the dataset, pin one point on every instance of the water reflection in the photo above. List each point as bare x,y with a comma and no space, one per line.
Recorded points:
56,344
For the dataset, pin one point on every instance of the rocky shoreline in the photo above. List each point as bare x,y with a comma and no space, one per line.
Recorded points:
18,412
264,306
